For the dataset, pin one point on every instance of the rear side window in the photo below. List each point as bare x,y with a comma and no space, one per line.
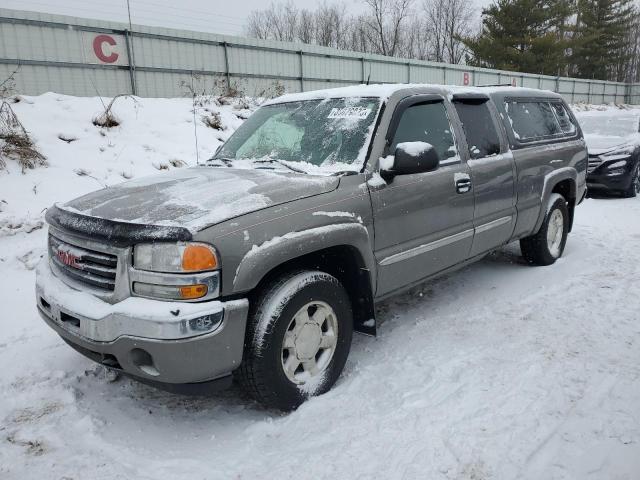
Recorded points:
532,120
479,128
564,119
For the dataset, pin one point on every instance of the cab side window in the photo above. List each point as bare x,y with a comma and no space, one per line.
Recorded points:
532,120
566,124
479,128
427,122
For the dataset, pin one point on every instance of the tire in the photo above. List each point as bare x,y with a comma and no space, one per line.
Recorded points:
634,187
546,246
279,334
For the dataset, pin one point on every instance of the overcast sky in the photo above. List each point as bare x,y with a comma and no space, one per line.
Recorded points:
207,15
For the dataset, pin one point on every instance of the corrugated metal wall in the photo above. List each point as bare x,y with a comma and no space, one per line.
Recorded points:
88,57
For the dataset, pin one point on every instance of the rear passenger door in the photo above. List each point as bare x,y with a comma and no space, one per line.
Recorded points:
492,173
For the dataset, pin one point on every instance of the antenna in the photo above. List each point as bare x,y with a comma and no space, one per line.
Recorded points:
195,126
369,77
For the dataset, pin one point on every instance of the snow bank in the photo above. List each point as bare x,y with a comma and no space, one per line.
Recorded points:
154,136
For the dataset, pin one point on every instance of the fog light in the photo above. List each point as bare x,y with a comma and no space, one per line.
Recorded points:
181,292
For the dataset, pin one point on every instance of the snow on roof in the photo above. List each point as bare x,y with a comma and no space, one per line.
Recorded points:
384,91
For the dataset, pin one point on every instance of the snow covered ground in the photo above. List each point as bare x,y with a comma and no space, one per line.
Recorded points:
499,371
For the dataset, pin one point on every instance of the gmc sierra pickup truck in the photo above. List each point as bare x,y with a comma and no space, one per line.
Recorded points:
260,264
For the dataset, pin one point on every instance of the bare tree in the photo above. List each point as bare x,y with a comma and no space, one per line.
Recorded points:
387,27
278,22
257,26
306,26
385,22
357,38
449,20
417,40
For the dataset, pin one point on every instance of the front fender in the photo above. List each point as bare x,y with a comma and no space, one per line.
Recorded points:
263,258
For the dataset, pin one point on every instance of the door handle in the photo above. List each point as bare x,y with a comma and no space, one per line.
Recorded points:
463,185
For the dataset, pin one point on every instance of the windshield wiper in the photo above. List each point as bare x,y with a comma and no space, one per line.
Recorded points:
227,161
280,162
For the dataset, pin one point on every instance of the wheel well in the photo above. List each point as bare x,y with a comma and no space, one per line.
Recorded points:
567,188
346,264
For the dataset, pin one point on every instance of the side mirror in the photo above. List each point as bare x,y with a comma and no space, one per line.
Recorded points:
411,157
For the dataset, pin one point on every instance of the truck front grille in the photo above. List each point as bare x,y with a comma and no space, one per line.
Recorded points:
594,162
96,269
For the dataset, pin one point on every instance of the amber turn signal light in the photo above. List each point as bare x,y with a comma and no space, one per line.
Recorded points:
191,292
197,258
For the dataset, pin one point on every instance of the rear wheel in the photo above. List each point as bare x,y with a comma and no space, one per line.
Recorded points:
634,187
298,339
546,246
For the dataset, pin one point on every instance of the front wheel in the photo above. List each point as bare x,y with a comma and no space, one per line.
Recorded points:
546,246
298,339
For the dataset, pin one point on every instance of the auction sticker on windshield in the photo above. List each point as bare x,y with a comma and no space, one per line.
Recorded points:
350,112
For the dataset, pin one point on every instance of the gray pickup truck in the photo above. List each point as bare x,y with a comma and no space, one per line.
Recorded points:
261,263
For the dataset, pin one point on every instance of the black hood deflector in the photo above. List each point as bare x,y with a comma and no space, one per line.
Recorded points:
120,234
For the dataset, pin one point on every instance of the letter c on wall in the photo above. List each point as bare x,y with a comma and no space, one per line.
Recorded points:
98,49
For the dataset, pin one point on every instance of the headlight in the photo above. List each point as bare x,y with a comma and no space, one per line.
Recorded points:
621,152
175,257
620,164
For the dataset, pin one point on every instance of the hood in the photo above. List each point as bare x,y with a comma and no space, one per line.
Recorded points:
197,197
598,144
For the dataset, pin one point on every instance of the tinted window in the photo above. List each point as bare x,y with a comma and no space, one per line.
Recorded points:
427,122
566,124
479,128
532,120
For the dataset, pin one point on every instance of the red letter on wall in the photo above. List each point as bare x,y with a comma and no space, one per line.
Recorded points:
97,48
465,78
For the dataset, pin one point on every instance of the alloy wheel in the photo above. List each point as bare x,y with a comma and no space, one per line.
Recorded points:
555,232
309,342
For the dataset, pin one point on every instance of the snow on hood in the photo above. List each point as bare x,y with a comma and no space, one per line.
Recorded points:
197,197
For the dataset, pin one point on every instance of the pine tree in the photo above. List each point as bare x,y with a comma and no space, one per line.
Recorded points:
601,43
523,35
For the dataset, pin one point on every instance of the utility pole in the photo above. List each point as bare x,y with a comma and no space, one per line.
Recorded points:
132,57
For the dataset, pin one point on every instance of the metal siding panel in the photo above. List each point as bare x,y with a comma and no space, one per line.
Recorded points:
582,87
386,72
192,52
486,78
548,84
242,60
426,74
332,68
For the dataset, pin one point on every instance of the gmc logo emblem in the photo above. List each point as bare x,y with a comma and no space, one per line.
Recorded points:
68,258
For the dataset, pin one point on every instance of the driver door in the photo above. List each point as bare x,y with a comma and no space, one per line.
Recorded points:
423,221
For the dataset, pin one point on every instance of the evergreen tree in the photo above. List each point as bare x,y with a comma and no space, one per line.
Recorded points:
601,43
523,35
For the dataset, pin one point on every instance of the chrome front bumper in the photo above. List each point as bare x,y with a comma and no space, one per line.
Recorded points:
170,342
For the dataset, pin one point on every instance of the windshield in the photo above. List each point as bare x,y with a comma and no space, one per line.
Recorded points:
310,136
609,125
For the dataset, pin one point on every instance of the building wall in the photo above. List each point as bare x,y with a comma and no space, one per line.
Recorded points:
86,57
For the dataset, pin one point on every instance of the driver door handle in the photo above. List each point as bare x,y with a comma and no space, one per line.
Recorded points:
463,185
